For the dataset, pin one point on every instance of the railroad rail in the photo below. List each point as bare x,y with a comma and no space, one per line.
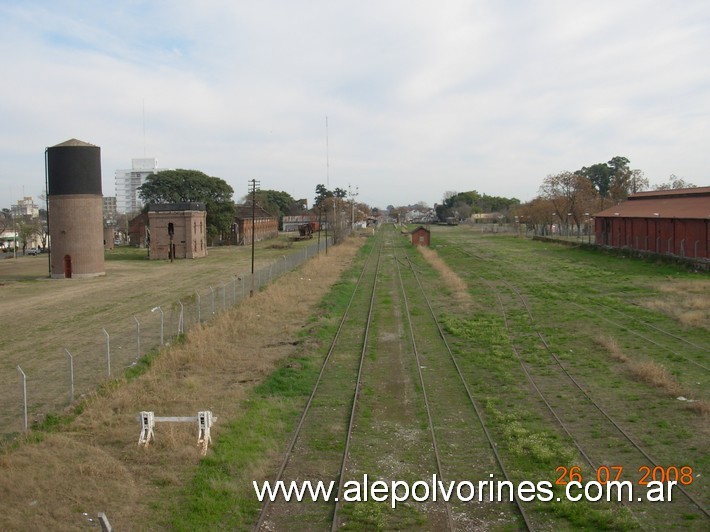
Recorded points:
697,505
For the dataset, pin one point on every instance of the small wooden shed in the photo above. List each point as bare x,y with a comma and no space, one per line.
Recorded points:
421,236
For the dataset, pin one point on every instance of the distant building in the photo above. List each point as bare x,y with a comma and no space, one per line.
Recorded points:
674,222
128,182
487,217
292,223
265,225
110,212
178,230
25,207
138,231
421,237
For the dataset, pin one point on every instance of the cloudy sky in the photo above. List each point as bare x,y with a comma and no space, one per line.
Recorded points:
420,97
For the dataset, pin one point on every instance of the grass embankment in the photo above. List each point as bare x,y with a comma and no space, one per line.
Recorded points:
92,464
49,316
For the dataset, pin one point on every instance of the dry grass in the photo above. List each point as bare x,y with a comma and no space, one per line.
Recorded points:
49,316
610,344
651,374
656,376
701,408
95,465
686,301
456,284
647,372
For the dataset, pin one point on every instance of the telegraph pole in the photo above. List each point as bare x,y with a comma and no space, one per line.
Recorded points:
253,187
352,203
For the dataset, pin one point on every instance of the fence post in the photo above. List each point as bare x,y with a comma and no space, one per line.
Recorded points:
212,292
108,352
138,337
24,396
71,376
669,246
682,248
161,322
224,296
198,306
234,290
181,324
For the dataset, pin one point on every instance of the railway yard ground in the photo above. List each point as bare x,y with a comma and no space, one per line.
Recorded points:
483,358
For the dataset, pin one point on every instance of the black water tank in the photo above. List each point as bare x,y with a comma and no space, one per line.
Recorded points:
74,167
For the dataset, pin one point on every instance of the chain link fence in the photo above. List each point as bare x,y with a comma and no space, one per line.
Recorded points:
97,357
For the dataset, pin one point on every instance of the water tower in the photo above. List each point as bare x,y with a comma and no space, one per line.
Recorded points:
75,210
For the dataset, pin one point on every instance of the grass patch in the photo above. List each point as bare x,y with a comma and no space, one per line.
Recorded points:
126,253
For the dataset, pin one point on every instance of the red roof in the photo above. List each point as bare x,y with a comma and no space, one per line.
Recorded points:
687,203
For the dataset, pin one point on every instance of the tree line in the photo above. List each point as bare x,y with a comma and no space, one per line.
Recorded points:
462,205
184,186
571,198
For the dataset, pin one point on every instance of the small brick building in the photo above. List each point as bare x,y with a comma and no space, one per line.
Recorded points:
182,224
265,225
138,231
421,236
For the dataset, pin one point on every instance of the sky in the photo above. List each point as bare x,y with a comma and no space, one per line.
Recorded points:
399,101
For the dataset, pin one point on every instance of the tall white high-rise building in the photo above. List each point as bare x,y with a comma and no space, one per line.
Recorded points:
128,181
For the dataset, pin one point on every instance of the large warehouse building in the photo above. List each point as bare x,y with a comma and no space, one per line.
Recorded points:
674,222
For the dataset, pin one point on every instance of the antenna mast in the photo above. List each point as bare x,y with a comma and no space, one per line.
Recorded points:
144,151
327,160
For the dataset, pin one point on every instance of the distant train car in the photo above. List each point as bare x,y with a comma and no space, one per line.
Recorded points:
305,231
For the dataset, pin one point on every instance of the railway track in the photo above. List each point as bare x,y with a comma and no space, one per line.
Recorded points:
395,401
442,379
314,449
390,403
579,415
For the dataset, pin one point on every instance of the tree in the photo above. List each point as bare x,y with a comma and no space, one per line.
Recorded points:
322,194
599,176
637,182
274,202
178,186
614,179
570,194
536,214
674,182
5,220
26,229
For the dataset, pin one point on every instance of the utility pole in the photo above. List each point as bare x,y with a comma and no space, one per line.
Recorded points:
352,203
253,187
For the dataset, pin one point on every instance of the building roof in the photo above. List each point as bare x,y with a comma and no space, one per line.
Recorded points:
184,206
421,228
672,193
687,203
74,142
244,212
